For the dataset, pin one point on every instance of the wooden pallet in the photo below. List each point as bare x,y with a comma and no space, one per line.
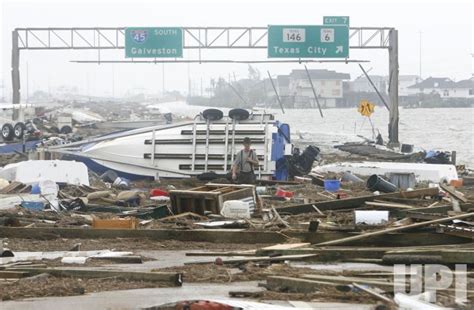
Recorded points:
209,197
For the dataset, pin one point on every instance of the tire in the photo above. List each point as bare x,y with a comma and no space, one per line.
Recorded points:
7,132
239,114
212,114
19,130
66,129
54,129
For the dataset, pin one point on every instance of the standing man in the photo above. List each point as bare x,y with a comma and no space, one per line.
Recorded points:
243,167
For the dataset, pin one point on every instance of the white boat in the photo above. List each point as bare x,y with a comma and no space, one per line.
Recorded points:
186,149
422,171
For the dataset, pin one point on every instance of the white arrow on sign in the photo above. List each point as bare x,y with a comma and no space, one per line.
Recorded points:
338,49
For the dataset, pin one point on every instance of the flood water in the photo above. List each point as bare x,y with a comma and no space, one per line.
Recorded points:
446,129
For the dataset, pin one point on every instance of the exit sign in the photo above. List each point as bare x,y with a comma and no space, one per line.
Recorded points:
336,20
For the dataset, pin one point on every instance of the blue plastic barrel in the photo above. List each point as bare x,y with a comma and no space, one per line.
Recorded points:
332,185
35,189
33,205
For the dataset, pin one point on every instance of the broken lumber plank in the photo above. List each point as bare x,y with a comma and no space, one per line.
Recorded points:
373,293
388,205
392,259
452,191
172,278
226,236
183,215
257,259
445,256
286,246
441,210
396,229
354,202
295,285
350,280
217,253
129,259
8,274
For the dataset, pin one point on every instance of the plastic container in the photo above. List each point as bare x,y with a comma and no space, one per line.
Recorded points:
35,189
49,190
33,205
377,183
349,177
282,193
236,209
332,185
158,192
456,183
407,148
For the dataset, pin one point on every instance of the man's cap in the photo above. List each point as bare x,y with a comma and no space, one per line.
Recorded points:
247,140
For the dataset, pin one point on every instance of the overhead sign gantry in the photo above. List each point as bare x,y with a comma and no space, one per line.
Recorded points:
202,38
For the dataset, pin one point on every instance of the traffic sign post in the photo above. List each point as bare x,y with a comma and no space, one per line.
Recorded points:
331,41
336,20
147,42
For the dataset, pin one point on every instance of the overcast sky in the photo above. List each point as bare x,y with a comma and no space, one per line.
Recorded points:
446,36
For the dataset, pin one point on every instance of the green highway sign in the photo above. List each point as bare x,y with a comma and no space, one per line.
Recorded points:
147,42
336,20
327,41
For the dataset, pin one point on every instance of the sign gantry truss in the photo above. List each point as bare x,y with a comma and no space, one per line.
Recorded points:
193,38
106,38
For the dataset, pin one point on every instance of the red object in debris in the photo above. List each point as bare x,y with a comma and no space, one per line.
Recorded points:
158,192
341,195
283,193
202,305
219,261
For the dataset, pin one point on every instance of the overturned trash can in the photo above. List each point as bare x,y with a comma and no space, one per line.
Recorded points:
377,183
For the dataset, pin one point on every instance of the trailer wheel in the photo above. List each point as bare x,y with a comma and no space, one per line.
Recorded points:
66,129
54,129
212,114
19,130
7,132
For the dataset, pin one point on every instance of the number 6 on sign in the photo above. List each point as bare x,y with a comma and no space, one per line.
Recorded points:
327,35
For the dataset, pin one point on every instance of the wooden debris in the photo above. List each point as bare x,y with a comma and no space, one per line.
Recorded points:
395,229
351,203
373,293
295,285
7,274
258,259
129,259
117,223
171,278
388,205
452,191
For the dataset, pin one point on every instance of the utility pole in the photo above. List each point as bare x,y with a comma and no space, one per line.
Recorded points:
393,88
15,68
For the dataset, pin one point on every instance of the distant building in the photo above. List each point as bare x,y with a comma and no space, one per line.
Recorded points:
465,88
444,87
283,82
362,84
404,82
328,86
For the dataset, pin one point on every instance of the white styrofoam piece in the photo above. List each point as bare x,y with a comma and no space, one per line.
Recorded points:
59,171
423,171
